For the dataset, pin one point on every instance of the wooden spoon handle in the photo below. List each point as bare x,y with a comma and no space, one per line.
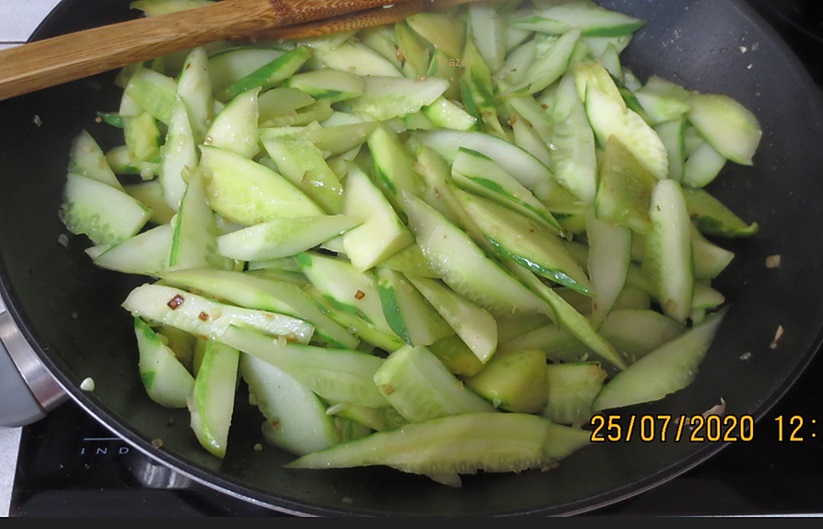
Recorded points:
57,60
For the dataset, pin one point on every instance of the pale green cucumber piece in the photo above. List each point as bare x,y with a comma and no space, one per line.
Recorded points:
87,158
181,343
282,101
207,318
177,155
152,92
445,113
591,73
387,97
408,313
122,162
146,253
478,91
439,185
420,387
247,192
464,444
526,107
528,170
318,111
637,332
465,267
706,297
610,248
551,63
331,86
511,327
380,233
336,375
212,401
383,39
714,218
624,189
574,157
105,214
194,88
304,164
151,194
143,138
665,370
663,100
353,290
358,58
414,56
487,27
282,237
558,344
513,381
235,127
481,175
586,16
727,125
672,134
338,139
471,322
230,65
194,240
376,419
166,379
270,74
456,355
565,314
410,261
572,388
610,117
710,259
526,136
445,32
295,417
445,67
526,242
260,293
668,260
394,166
703,166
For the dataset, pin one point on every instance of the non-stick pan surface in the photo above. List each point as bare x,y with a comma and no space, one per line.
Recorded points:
70,312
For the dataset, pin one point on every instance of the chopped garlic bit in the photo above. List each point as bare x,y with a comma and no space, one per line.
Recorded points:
258,447
87,384
777,336
773,261
63,240
37,120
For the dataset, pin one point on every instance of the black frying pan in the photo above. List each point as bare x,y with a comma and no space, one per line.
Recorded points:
69,311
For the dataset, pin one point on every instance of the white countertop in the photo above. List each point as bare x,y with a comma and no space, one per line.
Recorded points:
18,19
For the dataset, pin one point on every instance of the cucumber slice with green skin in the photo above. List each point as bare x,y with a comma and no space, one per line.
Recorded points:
151,92
445,113
513,381
667,369
332,86
550,64
558,344
357,58
177,155
456,356
338,139
702,166
572,388
304,164
143,138
86,158
283,237
624,190
464,444
609,116
472,323
394,166
105,214
663,100
610,248
714,218
150,193
637,332
529,171
488,29
247,192
710,259
234,128
465,267
420,387
228,66
146,253
295,417
481,175
206,318
320,110
260,293
588,17
194,239
282,101
336,375
445,32
410,261
194,88
376,419
212,401
270,74
386,97
380,233
727,125
166,379
673,134
525,242
668,260
408,313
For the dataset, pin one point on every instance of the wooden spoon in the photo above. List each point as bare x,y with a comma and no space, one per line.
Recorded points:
41,64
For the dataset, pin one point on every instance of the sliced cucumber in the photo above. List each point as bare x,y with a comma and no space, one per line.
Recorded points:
624,190
166,379
270,74
572,388
177,155
610,248
86,158
714,218
234,128
727,125
637,332
212,401
513,381
146,253
587,17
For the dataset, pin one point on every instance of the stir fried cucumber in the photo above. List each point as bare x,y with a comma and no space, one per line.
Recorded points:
440,245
